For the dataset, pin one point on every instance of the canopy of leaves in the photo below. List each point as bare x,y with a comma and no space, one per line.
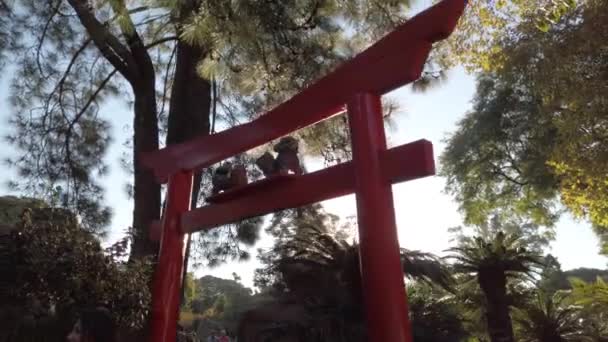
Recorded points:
478,42
537,130
259,53
501,253
536,238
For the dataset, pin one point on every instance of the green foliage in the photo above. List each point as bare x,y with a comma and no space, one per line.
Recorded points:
58,266
434,315
316,278
536,238
497,264
478,42
536,133
553,279
71,58
220,302
11,208
189,290
506,254
593,297
497,157
548,318
594,293
290,228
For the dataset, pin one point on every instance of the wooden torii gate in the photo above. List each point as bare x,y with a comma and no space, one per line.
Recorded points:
357,87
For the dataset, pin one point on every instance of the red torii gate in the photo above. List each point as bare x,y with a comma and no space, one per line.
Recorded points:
394,61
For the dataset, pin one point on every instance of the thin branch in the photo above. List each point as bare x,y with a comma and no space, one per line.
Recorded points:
70,65
92,98
43,36
161,41
499,172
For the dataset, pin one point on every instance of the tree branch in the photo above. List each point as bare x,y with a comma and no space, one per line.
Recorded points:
111,48
70,65
161,41
499,172
68,134
134,41
43,36
92,98
165,88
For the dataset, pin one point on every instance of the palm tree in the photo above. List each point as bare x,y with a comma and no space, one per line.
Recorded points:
492,262
321,290
549,319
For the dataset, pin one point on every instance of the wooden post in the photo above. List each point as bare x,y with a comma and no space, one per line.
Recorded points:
168,277
382,276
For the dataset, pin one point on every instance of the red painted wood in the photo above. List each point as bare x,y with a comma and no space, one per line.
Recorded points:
381,274
251,188
406,162
399,164
395,60
168,276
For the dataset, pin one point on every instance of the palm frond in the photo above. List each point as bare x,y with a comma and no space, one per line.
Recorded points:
427,268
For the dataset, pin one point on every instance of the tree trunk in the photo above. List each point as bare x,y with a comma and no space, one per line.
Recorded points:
189,111
494,286
146,190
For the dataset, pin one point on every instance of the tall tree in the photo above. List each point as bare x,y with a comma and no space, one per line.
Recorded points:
536,134
71,55
492,263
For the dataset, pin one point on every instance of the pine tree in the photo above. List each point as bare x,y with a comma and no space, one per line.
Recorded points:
166,59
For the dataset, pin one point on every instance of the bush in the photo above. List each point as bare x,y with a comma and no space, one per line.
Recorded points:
56,268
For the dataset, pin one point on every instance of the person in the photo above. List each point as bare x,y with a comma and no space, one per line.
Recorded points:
212,337
94,325
223,337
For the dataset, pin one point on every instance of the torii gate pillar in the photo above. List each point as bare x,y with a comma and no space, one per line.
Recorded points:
381,273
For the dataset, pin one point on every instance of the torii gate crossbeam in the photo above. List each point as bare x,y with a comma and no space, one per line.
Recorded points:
358,85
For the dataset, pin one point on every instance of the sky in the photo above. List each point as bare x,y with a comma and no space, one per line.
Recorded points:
424,213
